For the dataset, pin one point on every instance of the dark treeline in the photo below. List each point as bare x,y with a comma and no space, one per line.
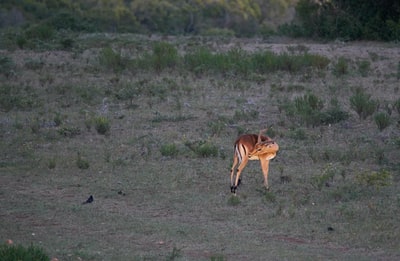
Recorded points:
324,19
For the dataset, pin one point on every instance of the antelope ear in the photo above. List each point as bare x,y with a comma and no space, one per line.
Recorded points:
260,133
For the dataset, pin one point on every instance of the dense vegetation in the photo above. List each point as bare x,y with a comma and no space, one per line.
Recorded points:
348,20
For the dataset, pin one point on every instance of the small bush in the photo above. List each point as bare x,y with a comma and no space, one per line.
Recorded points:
377,179
364,67
102,125
203,148
397,105
327,175
308,108
40,32
51,164
69,131
7,65
110,59
341,67
169,150
165,55
382,120
361,103
81,162
17,97
233,200
20,253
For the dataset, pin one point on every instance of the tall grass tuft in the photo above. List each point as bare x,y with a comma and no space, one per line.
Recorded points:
111,59
21,253
361,103
382,120
165,55
237,61
341,67
102,125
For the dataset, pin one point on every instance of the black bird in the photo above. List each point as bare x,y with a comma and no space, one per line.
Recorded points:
89,200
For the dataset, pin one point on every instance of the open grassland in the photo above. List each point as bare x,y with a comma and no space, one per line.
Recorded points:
147,126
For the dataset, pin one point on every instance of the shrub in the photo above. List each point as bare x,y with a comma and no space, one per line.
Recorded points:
397,105
21,253
375,179
341,67
69,131
40,32
327,175
382,120
308,108
110,59
165,55
361,102
7,65
102,125
81,162
203,148
364,68
169,150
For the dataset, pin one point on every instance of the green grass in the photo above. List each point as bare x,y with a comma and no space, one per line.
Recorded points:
21,253
160,173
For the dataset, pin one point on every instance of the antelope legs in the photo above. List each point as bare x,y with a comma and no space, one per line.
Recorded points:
235,182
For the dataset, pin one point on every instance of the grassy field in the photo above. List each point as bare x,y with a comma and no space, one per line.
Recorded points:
146,125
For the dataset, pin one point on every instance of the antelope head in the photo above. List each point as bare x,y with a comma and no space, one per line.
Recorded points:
265,147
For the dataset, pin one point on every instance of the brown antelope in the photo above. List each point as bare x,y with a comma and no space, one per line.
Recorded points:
252,147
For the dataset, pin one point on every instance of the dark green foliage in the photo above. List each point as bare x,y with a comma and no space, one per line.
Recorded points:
81,162
237,61
21,253
382,120
377,179
397,105
349,20
308,111
69,131
203,148
361,102
16,97
341,67
102,125
165,55
111,59
7,65
169,149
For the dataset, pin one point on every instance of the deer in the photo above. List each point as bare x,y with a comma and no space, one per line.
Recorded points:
252,147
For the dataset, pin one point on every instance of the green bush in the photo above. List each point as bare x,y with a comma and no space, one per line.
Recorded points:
40,32
397,105
7,65
327,175
364,68
169,150
111,59
382,120
308,108
21,253
341,67
165,55
203,148
81,162
237,61
17,97
377,179
361,102
69,131
102,125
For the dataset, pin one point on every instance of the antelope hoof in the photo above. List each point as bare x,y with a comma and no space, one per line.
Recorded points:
233,189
